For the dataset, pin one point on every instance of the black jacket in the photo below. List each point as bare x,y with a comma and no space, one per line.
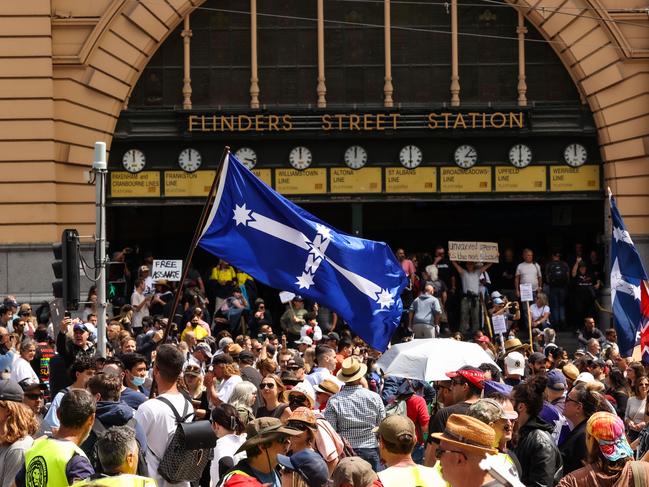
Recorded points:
539,456
573,449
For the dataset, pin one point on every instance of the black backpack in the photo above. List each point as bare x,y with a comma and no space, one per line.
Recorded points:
557,274
189,449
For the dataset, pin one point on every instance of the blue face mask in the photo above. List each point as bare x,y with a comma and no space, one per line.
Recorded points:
138,381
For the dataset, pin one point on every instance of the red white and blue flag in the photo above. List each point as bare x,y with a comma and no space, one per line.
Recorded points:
628,288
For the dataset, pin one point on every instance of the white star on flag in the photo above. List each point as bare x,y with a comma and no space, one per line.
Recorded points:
384,298
242,215
305,281
619,234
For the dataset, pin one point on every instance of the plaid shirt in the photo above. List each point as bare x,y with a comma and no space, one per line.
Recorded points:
354,412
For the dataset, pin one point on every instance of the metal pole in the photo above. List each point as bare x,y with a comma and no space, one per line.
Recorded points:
100,168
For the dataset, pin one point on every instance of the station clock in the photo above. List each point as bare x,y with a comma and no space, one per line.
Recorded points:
133,160
190,160
575,155
247,157
520,155
410,156
355,157
466,156
300,158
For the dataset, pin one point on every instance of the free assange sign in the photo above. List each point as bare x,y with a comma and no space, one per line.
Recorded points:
170,270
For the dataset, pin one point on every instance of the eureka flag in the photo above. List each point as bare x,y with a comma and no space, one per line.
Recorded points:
280,244
627,278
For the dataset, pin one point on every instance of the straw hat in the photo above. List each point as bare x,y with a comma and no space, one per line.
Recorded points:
327,386
515,345
468,434
352,369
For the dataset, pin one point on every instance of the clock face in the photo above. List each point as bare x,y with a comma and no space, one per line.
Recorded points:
300,158
520,155
189,160
410,156
466,156
575,155
133,160
355,157
247,157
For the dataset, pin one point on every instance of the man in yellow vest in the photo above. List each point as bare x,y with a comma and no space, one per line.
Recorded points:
397,439
58,461
118,453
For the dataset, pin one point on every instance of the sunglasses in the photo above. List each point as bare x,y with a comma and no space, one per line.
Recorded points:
268,385
440,452
34,396
297,425
258,349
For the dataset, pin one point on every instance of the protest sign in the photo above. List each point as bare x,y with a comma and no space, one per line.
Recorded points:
473,251
526,292
500,324
286,296
171,270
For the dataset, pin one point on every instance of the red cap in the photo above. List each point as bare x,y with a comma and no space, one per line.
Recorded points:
484,339
471,374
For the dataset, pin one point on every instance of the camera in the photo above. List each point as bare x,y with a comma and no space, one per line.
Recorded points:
262,337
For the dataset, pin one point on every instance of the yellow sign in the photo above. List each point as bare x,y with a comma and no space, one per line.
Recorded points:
183,184
420,180
141,185
529,179
584,178
309,181
366,180
264,175
474,180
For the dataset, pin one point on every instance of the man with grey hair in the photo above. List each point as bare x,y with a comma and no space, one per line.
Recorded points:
425,313
118,452
593,348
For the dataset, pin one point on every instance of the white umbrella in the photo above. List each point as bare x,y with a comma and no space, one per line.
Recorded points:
430,358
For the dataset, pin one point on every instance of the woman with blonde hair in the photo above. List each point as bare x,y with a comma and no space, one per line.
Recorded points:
17,425
193,379
226,371
243,397
267,366
22,369
540,312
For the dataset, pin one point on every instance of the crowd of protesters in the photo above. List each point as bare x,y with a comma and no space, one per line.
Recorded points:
297,399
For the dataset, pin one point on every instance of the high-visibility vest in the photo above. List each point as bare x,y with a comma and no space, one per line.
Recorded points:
46,460
123,480
415,475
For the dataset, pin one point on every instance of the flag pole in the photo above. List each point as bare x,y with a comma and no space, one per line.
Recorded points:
190,254
197,235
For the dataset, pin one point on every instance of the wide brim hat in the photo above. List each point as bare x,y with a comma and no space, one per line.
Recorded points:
468,434
352,369
515,345
261,430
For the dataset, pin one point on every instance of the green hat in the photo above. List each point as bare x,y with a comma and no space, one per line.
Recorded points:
261,430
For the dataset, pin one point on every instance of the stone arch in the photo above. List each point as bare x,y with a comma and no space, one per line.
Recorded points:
616,90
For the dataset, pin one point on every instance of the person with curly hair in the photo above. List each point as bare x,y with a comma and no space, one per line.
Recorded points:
17,426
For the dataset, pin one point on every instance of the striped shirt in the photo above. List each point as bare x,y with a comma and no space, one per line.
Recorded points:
354,412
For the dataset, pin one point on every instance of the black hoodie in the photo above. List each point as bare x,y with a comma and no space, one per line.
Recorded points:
538,454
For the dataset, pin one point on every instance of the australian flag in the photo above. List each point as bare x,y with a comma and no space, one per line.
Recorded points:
280,244
628,281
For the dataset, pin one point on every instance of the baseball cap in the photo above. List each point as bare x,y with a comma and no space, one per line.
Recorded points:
585,377
489,411
483,339
333,336
205,348
10,391
309,464
81,327
298,298
471,374
515,363
30,385
296,362
354,471
246,356
608,430
305,339
398,430
556,380
536,357
498,301
496,294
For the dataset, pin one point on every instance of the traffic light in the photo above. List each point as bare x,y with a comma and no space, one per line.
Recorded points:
66,269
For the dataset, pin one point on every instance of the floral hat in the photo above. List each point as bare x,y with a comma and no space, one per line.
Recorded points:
608,430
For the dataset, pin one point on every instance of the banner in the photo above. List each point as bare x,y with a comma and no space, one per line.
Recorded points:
473,251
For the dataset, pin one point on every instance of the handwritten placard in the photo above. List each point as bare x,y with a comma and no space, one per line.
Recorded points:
473,251
526,292
171,270
499,323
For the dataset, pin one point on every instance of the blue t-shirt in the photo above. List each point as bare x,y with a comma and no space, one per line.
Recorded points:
132,398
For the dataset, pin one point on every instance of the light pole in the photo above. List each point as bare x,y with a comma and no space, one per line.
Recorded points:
100,169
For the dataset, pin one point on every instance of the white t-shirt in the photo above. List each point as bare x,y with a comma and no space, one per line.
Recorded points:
159,424
136,300
471,281
530,273
226,446
537,312
225,389
22,370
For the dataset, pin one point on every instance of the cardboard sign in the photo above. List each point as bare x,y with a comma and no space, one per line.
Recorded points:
171,270
473,251
286,297
499,323
526,292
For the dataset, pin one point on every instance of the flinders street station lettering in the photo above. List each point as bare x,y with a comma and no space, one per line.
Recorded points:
356,122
